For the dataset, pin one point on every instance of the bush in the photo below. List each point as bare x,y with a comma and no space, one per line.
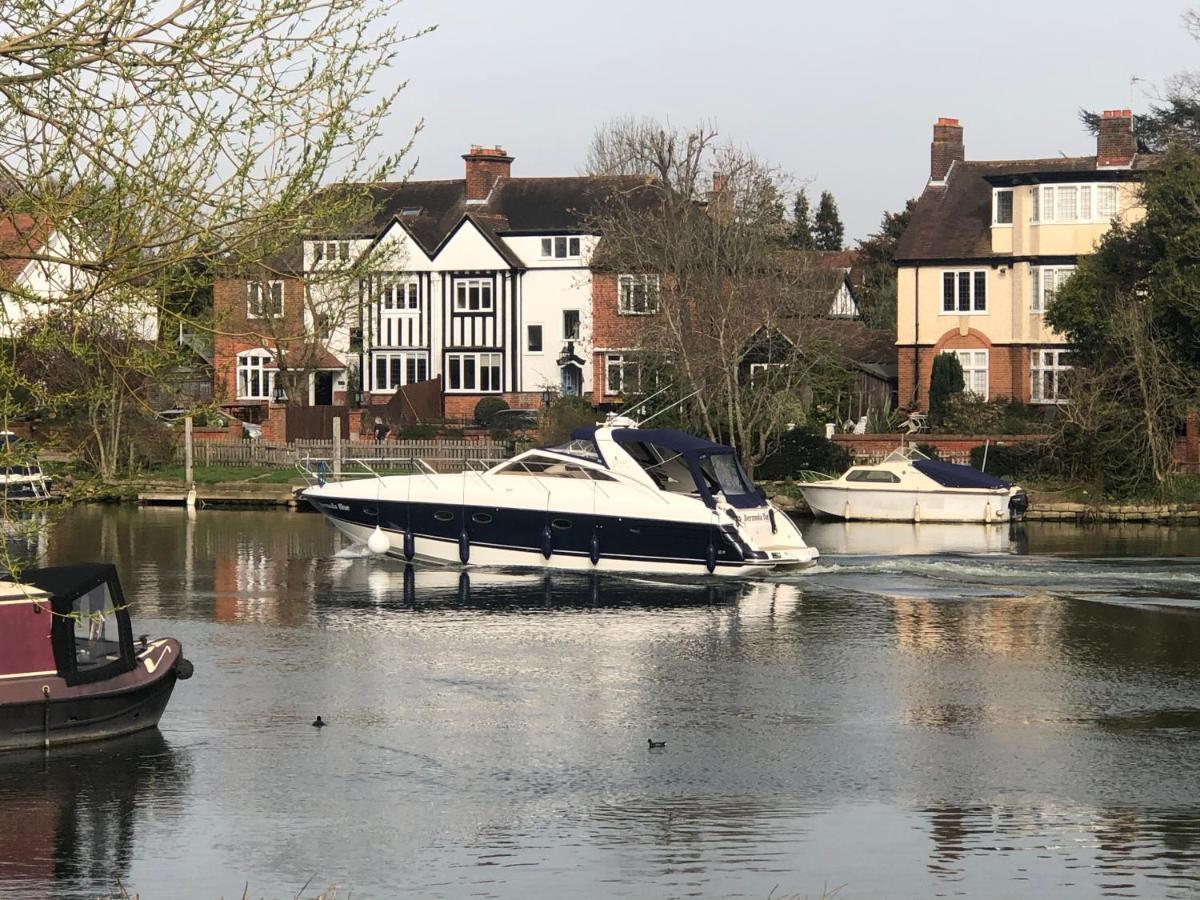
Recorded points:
488,407
1015,462
945,379
417,432
929,450
803,448
563,416
970,414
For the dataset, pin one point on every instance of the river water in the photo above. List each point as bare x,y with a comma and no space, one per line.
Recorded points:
932,711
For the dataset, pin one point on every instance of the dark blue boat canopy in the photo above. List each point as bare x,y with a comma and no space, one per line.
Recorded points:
679,441
953,475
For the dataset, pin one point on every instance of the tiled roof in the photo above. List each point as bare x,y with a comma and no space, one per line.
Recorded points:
20,236
431,210
954,220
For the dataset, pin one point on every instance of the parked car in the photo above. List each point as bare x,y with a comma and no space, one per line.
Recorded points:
514,420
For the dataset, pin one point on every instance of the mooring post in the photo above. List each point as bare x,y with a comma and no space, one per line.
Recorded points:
187,450
337,447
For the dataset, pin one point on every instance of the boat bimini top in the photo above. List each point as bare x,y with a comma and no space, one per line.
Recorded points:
674,461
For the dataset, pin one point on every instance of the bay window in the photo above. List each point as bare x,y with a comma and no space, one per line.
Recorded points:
621,374
394,370
1073,203
255,375
473,372
975,371
1047,368
1044,282
1002,206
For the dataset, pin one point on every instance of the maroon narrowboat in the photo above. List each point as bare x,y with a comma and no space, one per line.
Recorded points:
70,669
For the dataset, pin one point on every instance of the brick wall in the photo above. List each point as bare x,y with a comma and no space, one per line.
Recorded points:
610,329
236,331
461,407
1009,374
871,448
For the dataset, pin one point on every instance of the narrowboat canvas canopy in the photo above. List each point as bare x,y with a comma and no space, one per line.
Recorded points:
65,583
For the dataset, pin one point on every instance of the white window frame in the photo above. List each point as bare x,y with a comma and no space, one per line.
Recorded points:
493,362
1043,360
619,364
331,251
1045,200
974,375
254,305
561,247
541,337
1044,283
626,298
462,295
399,295
996,192
404,357
255,362
973,284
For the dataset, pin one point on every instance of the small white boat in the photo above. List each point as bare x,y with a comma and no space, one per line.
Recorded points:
21,476
908,486
613,499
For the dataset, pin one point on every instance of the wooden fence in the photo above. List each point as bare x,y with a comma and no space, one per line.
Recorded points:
442,455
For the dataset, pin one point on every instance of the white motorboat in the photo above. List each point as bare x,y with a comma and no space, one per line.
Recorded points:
21,476
616,499
908,486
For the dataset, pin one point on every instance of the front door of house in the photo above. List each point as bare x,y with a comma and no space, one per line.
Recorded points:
323,389
571,381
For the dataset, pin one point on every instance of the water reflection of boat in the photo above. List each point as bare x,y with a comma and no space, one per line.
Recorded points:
70,670
68,820
613,499
906,539
908,486
420,586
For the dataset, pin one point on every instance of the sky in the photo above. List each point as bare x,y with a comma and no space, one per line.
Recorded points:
840,95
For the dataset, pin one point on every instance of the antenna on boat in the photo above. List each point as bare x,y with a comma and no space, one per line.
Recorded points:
672,406
644,401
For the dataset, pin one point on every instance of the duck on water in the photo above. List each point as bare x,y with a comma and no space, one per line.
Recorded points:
616,498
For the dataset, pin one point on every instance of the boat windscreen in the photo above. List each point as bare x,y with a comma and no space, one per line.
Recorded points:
952,475
584,448
723,469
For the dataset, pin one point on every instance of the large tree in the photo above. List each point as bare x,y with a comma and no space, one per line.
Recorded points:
876,269
737,319
801,235
160,138
1132,314
828,231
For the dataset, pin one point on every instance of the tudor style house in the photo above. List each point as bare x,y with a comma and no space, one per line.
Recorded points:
484,282
989,244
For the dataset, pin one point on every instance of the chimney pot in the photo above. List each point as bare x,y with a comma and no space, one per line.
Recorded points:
485,166
1116,144
947,148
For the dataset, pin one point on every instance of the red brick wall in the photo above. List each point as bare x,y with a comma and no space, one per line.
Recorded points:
870,448
610,329
236,332
484,166
1008,368
461,407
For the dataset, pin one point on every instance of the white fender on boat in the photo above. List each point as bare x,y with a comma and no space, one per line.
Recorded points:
917,512
378,542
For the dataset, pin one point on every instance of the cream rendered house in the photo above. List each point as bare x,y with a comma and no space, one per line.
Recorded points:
989,244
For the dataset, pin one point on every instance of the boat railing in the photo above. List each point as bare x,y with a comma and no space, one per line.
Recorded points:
320,469
809,476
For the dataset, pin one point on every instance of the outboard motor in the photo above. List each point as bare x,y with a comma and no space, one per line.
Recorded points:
1018,504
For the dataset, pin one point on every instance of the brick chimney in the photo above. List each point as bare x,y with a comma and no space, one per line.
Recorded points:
947,147
484,166
1115,142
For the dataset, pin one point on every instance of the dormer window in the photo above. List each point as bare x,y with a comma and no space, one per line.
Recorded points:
560,247
334,251
1002,206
